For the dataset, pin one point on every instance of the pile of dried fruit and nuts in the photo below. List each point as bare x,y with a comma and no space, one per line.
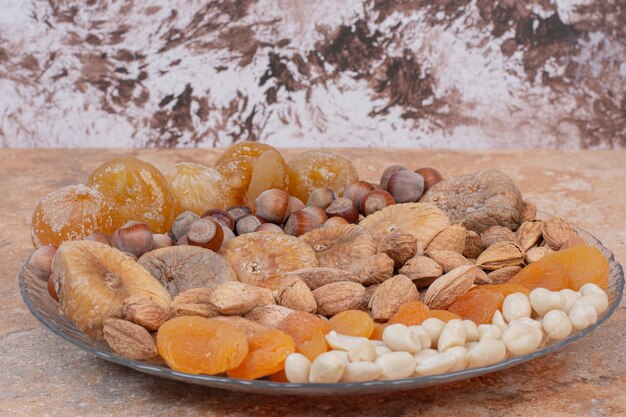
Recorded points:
227,270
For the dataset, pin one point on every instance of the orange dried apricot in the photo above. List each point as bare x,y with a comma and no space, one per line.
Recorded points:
352,323
251,168
70,213
135,190
198,188
197,345
582,265
268,350
411,313
478,305
443,315
279,376
377,334
541,274
315,169
308,332
506,289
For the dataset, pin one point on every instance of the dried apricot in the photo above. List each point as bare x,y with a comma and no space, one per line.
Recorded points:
268,350
352,323
582,265
411,313
279,376
70,213
377,334
197,345
198,188
308,332
249,171
443,315
136,190
541,274
315,169
506,289
478,305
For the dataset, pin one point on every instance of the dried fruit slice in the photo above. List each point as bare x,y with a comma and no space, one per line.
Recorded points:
197,188
308,332
443,315
70,213
506,289
136,190
239,162
423,221
477,305
541,274
316,169
582,265
92,281
262,258
201,346
345,246
181,268
411,314
267,351
352,323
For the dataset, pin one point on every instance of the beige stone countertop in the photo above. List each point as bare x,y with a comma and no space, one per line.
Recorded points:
44,375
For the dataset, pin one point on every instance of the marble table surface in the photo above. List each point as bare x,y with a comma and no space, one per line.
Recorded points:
43,375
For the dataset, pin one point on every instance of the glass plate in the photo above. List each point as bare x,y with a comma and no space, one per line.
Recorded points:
35,295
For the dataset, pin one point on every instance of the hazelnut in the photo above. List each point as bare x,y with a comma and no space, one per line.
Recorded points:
206,233
273,206
296,204
248,224
41,262
301,222
238,212
161,240
388,172
99,237
182,222
374,201
357,191
343,207
431,176
182,241
318,213
228,234
222,216
321,197
133,237
269,227
335,221
405,186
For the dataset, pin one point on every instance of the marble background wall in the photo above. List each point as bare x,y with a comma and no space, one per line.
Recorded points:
431,73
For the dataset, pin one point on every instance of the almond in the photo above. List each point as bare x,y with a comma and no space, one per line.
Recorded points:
573,241
234,298
499,255
556,232
528,211
536,253
449,260
497,234
268,315
391,295
145,312
318,277
295,294
447,288
398,246
502,275
451,238
473,245
193,302
129,340
529,234
338,296
376,269
249,327
421,270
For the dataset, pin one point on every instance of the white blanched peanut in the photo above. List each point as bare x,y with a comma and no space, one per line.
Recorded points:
582,314
400,338
590,288
599,301
422,335
297,368
424,354
382,350
489,331
521,339
498,320
571,297
532,323
434,327
363,352
453,334
516,306
327,368
438,364
460,357
543,300
471,331
342,341
396,365
556,324
486,352
469,345
361,372
341,354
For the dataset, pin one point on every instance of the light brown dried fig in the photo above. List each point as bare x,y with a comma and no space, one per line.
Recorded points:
129,340
497,234
295,294
398,246
421,270
529,234
451,238
474,245
376,269
268,315
145,312
449,259
180,268
390,295
447,288
318,277
499,255
502,275
234,298
193,302
338,296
